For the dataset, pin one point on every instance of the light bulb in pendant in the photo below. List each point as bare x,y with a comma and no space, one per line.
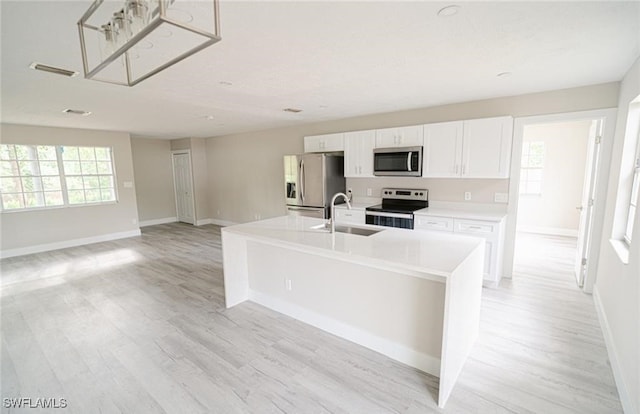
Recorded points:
138,13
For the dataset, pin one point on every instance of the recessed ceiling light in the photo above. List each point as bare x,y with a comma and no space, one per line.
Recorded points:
448,11
504,74
53,69
209,117
323,106
293,110
226,83
77,112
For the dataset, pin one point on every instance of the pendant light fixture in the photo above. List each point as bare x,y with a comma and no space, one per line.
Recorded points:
129,41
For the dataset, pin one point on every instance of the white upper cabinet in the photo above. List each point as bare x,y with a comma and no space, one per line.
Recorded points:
478,148
486,147
409,136
324,143
442,155
358,153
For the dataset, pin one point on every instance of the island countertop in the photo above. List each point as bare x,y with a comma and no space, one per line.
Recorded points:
432,255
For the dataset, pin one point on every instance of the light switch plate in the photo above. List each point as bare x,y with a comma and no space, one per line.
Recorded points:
128,184
501,197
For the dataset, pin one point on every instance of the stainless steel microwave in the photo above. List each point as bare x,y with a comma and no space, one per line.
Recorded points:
404,161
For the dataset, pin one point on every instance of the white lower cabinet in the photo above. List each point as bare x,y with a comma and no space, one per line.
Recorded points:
353,216
491,231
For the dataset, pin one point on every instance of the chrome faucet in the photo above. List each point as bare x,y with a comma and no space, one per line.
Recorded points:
332,221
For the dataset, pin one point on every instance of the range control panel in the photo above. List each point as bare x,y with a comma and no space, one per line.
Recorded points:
405,194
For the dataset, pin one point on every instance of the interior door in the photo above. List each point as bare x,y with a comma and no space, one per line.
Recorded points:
586,206
184,187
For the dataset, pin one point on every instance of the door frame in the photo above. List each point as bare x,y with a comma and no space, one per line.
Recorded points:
608,117
175,187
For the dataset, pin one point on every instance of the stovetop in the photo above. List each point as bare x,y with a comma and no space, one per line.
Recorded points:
399,200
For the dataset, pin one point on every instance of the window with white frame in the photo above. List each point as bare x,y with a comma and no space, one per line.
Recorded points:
633,200
41,176
531,168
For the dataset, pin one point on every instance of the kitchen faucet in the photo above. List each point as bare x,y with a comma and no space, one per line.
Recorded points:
332,220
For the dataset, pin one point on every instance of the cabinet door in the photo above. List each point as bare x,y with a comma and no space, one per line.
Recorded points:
358,153
442,156
324,143
387,138
409,136
433,223
350,216
486,147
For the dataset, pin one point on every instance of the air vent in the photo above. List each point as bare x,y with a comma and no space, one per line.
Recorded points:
77,112
293,110
53,69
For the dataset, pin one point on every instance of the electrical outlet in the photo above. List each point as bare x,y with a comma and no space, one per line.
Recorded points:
467,196
369,192
218,212
501,197
349,193
287,284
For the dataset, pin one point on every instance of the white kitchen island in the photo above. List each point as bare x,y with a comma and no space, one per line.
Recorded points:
413,296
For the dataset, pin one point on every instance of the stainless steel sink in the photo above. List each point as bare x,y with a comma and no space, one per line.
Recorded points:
359,231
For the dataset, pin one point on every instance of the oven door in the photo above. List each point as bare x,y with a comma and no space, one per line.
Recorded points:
399,220
398,161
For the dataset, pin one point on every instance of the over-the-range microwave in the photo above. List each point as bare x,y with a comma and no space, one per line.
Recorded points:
404,161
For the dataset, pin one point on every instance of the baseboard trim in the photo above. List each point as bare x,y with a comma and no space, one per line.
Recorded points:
67,243
393,350
625,398
552,231
155,222
222,223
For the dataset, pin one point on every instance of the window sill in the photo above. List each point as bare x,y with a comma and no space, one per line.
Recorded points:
621,249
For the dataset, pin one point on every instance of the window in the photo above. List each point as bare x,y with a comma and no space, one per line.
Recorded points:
633,201
40,176
531,168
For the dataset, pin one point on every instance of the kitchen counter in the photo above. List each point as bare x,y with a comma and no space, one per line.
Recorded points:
430,255
413,296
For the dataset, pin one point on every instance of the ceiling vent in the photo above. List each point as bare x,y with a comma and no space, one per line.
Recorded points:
53,69
292,110
76,112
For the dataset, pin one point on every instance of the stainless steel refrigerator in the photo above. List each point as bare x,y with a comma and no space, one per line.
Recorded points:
310,180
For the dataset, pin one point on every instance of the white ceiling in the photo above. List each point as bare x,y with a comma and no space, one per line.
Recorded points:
332,59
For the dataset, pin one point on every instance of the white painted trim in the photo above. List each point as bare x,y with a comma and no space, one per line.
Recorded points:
393,350
223,223
202,222
68,243
553,231
155,222
623,390
609,117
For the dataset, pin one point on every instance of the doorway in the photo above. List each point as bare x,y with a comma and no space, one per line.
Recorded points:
559,173
183,184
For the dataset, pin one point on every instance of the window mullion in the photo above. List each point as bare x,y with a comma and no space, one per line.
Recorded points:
63,180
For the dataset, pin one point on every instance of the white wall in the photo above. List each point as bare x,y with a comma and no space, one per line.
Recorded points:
246,173
24,230
154,179
563,176
617,289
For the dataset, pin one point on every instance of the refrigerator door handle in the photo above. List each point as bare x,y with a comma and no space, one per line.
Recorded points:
409,161
302,177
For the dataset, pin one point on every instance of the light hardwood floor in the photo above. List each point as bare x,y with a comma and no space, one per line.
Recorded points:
139,326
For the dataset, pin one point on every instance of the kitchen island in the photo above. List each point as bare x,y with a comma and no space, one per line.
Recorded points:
413,296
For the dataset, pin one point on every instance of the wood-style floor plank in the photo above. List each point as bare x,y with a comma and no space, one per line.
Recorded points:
139,325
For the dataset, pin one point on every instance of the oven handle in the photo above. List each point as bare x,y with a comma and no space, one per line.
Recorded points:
409,161
385,214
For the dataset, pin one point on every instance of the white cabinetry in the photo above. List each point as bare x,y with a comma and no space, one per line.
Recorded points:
478,148
324,143
351,216
442,155
491,231
486,147
408,136
358,153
